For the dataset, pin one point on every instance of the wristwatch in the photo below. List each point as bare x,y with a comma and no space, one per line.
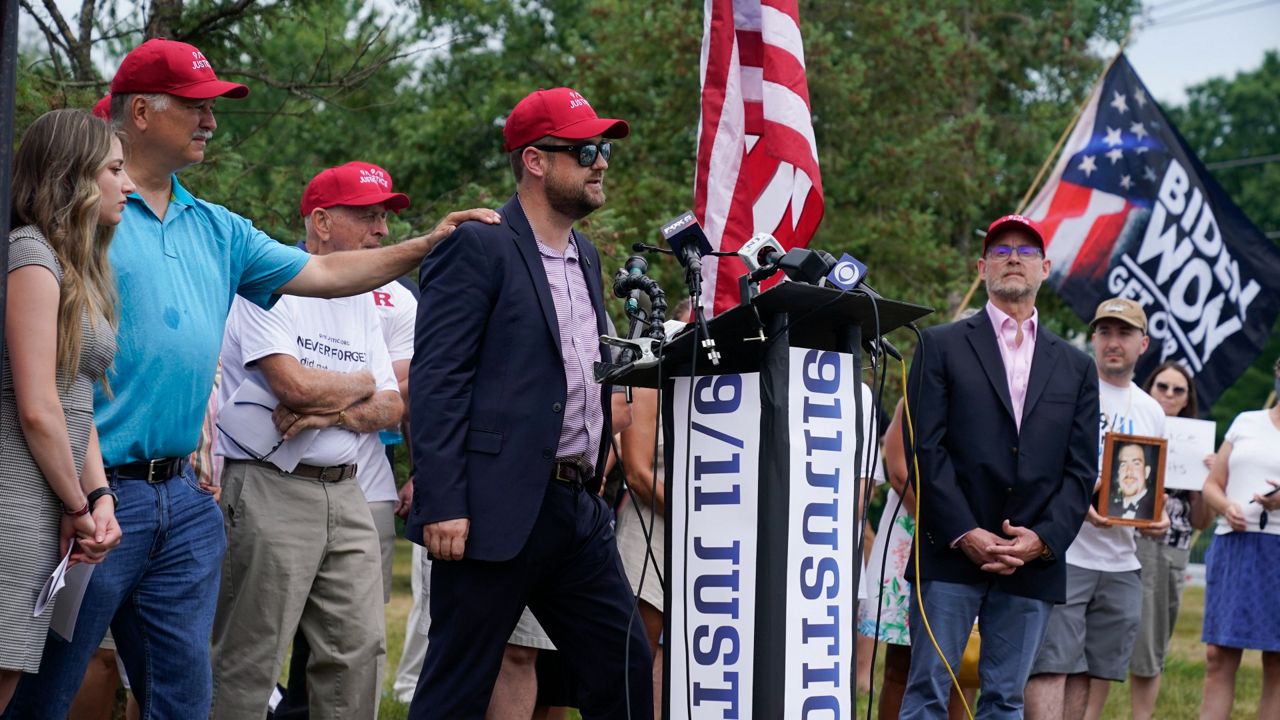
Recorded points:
342,418
1045,552
101,492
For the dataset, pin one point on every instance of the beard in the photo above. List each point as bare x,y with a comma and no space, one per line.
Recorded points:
573,199
1011,291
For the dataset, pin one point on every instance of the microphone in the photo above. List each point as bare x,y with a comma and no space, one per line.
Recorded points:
687,240
635,266
762,250
847,272
804,265
689,243
642,247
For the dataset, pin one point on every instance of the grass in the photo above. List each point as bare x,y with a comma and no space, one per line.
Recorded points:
1179,693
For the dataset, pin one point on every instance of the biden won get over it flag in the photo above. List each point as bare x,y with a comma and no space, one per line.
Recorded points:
1131,211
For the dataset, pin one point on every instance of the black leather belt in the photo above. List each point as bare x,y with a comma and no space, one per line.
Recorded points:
329,474
153,471
569,472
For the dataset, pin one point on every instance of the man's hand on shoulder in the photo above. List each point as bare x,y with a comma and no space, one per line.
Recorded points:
446,226
1024,547
977,545
447,539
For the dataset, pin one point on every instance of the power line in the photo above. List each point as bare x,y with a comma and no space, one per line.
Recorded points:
1215,5
1243,161
1209,16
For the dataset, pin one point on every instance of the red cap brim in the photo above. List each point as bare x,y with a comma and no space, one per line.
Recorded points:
210,89
395,202
604,127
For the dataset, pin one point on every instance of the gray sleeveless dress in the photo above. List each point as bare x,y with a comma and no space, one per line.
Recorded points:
29,511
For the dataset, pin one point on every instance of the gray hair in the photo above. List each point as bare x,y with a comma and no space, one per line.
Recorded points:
120,106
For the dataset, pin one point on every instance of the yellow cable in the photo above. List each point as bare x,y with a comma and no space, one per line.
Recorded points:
924,619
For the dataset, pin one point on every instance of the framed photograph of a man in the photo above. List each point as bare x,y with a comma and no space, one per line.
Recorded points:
1132,479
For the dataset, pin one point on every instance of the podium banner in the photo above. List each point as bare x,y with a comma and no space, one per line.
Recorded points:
823,567
712,507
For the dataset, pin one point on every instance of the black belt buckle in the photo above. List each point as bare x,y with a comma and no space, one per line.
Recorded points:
153,471
153,465
567,472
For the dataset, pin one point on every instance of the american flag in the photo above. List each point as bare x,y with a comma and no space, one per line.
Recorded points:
1129,210
757,157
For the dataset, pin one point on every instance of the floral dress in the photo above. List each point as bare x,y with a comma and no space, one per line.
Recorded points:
892,596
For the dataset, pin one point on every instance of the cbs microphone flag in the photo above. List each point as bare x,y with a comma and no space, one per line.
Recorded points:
757,168
1131,211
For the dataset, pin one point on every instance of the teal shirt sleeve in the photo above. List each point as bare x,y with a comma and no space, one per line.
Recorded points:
261,264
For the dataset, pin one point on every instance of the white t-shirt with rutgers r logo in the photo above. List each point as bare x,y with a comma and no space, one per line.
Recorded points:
397,311
339,334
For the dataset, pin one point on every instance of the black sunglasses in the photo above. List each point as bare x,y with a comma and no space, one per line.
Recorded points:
587,152
1167,388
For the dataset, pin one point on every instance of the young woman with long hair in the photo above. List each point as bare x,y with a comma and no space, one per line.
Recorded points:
69,189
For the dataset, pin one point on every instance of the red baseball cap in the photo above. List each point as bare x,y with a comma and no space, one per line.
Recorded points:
1013,222
176,68
561,112
102,108
357,184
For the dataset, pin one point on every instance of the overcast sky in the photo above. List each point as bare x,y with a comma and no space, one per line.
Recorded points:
1230,36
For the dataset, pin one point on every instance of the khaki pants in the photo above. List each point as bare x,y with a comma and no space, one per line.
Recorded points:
300,554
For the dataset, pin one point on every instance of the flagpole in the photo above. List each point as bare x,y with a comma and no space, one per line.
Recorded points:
1048,161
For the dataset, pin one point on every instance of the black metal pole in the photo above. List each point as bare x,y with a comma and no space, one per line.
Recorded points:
8,89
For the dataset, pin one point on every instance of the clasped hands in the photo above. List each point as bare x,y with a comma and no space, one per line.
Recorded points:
95,533
1001,555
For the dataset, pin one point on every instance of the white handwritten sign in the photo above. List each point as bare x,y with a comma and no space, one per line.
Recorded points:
1189,441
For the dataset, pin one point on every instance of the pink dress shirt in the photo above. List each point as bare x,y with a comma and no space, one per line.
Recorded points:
1017,358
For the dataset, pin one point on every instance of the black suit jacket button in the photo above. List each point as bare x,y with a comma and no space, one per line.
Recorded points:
1014,449
546,453
557,408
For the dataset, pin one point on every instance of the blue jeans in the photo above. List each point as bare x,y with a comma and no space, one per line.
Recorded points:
157,590
1011,627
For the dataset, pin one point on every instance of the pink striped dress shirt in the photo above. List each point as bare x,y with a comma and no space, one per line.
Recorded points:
583,422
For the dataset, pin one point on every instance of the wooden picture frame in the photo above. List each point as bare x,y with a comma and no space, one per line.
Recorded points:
1132,491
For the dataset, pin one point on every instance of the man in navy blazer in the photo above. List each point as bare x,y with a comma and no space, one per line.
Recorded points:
1006,439
510,432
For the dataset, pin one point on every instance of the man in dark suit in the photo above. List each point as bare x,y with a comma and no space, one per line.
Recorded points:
1006,440
510,432
1131,496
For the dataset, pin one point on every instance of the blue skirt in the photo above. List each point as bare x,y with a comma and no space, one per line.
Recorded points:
1242,591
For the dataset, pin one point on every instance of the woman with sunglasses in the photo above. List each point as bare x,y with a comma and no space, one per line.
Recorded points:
1164,560
69,189
1242,594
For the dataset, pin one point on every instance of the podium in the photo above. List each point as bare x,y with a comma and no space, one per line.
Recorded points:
762,458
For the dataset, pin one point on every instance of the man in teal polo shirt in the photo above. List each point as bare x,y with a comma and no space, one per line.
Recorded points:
179,262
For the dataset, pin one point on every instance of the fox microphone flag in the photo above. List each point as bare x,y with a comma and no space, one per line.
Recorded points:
757,165
1130,211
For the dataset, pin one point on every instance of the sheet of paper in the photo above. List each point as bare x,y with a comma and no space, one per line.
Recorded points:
67,608
246,420
53,585
1190,440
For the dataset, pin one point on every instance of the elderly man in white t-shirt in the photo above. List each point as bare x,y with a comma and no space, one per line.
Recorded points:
302,545
1089,639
